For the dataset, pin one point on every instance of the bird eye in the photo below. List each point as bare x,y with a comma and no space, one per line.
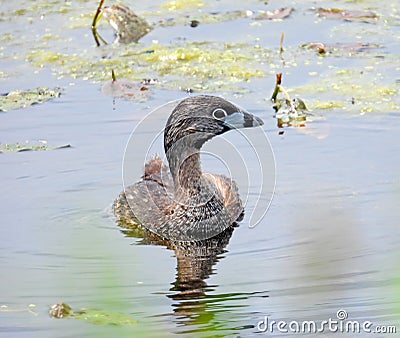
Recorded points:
219,113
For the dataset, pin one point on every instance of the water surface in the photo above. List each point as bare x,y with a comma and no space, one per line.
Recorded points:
330,239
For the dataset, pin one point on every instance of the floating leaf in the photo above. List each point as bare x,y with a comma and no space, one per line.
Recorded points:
347,15
126,89
276,14
24,98
128,26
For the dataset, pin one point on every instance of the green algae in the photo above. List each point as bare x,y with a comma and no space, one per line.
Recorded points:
24,98
98,317
44,7
21,147
204,61
352,90
204,65
212,66
176,5
93,316
203,17
328,104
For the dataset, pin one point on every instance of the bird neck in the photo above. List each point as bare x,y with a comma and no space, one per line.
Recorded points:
184,164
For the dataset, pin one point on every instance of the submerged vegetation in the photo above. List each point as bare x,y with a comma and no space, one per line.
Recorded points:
98,317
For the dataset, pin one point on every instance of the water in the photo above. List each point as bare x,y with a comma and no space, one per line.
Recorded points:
329,240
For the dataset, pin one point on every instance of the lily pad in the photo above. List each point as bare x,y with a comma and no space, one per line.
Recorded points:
18,147
24,98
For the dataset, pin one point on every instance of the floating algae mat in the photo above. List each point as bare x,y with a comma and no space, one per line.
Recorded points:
200,65
346,89
24,98
358,38
20,147
98,317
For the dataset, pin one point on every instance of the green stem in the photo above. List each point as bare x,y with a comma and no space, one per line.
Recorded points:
96,18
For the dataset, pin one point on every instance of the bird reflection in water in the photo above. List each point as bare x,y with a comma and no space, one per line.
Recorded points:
179,206
196,306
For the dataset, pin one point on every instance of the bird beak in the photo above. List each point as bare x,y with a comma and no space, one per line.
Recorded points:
242,119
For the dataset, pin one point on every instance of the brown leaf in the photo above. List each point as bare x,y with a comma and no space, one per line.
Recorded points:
347,15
